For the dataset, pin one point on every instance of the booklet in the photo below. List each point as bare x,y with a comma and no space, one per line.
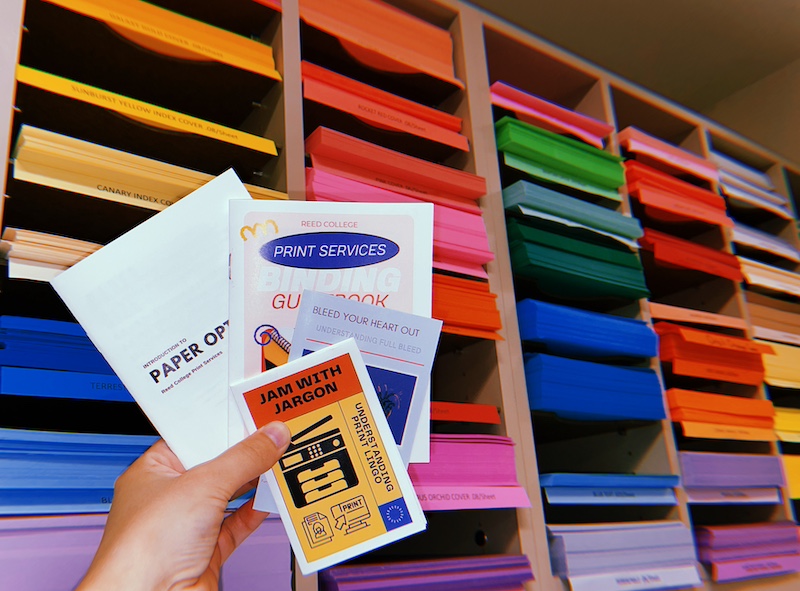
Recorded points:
376,253
398,348
155,303
341,487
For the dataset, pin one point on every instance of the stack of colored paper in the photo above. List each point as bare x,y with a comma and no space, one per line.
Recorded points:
55,473
716,478
671,252
791,469
609,489
737,552
466,307
378,116
665,198
782,368
70,542
478,573
536,201
747,188
39,256
597,556
468,472
55,186
770,277
381,45
717,416
464,412
566,266
752,239
584,390
553,158
460,242
549,116
62,105
774,319
573,332
664,156
787,424
711,355
205,71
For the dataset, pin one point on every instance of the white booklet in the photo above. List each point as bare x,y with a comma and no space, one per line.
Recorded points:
377,253
155,303
341,487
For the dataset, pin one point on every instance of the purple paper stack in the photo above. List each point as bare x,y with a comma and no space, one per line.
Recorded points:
468,472
477,573
736,552
718,478
53,553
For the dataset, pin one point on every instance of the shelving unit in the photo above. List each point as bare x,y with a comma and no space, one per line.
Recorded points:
488,371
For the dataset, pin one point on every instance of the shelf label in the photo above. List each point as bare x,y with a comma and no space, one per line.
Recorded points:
656,578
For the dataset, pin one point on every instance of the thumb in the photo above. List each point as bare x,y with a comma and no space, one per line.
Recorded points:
249,458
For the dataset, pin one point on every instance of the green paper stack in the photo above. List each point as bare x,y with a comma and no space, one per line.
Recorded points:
558,159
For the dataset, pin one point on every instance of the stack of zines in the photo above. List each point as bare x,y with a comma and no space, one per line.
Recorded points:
478,573
717,416
595,556
747,188
736,552
714,478
69,543
468,472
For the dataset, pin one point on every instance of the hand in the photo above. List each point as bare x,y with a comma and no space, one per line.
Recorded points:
167,527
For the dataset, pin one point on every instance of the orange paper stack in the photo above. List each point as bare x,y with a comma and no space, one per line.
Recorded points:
717,416
710,355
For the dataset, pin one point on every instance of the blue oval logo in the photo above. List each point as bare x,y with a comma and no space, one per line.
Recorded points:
329,250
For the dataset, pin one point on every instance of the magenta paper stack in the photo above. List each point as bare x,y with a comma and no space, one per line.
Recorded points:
736,552
53,553
468,472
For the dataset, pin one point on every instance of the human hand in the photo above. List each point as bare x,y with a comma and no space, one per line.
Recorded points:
167,528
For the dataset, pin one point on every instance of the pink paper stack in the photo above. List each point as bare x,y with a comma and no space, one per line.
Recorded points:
468,472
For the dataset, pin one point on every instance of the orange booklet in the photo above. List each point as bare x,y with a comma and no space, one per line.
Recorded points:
381,109
668,199
678,253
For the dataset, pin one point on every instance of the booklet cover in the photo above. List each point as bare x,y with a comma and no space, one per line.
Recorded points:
379,254
341,487
398,348
155,303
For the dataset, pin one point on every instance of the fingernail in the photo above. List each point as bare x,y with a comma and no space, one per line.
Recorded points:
278,433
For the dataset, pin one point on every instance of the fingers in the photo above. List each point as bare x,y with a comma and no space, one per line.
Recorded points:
237,527
249,458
